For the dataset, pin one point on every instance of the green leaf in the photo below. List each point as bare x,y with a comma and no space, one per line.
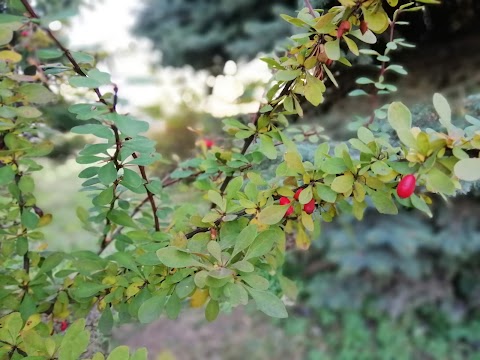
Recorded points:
139,354
245,238
216,198
48,54
267,147
264,242
74,342
234,187
468,169
94,79
294,161
6,35
314,89
94,129
256,281
287,75
131,179
326,193
420,204
6,175
173,306
151,309
332,49
268,303
107,173
127,124
173,257
29,219
381,168
272,214
214,249
119,353
400,120
185,287
28,112
343,184
125,260
383,202
438,182
88,289
236,293
243,266
51,262
443,110
105,324
121,217
37,94
333,166
104,198
211,310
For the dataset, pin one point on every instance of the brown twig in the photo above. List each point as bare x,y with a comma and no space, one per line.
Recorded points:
248,141
79,71
310,7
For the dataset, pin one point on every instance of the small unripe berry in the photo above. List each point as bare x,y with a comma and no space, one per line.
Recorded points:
406,186
309,207
285,201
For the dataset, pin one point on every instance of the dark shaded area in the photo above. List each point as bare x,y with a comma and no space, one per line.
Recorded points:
206,33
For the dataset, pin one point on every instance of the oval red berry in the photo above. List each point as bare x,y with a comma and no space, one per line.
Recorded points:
309,207
64,325
208,143
297,194
285,201
406,186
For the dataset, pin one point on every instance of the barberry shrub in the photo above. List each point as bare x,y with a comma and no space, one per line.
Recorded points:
227,249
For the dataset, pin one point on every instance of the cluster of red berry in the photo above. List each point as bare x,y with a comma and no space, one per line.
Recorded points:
309,207
405,189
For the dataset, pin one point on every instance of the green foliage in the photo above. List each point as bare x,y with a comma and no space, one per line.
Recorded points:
231,245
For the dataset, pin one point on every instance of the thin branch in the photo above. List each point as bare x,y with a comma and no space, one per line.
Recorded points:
67,52
80,72
310,7
206,229
248,141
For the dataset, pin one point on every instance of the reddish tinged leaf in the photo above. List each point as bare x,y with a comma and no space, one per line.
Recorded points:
406,186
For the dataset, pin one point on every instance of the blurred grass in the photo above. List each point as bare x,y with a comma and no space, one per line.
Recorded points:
57,191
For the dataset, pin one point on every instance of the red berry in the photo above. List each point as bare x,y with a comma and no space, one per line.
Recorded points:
343,28
406,186
25,33
297,194
363,27
63,325
309,207
208,143
285,201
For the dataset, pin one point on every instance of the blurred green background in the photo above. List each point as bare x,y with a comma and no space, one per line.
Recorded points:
403,287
